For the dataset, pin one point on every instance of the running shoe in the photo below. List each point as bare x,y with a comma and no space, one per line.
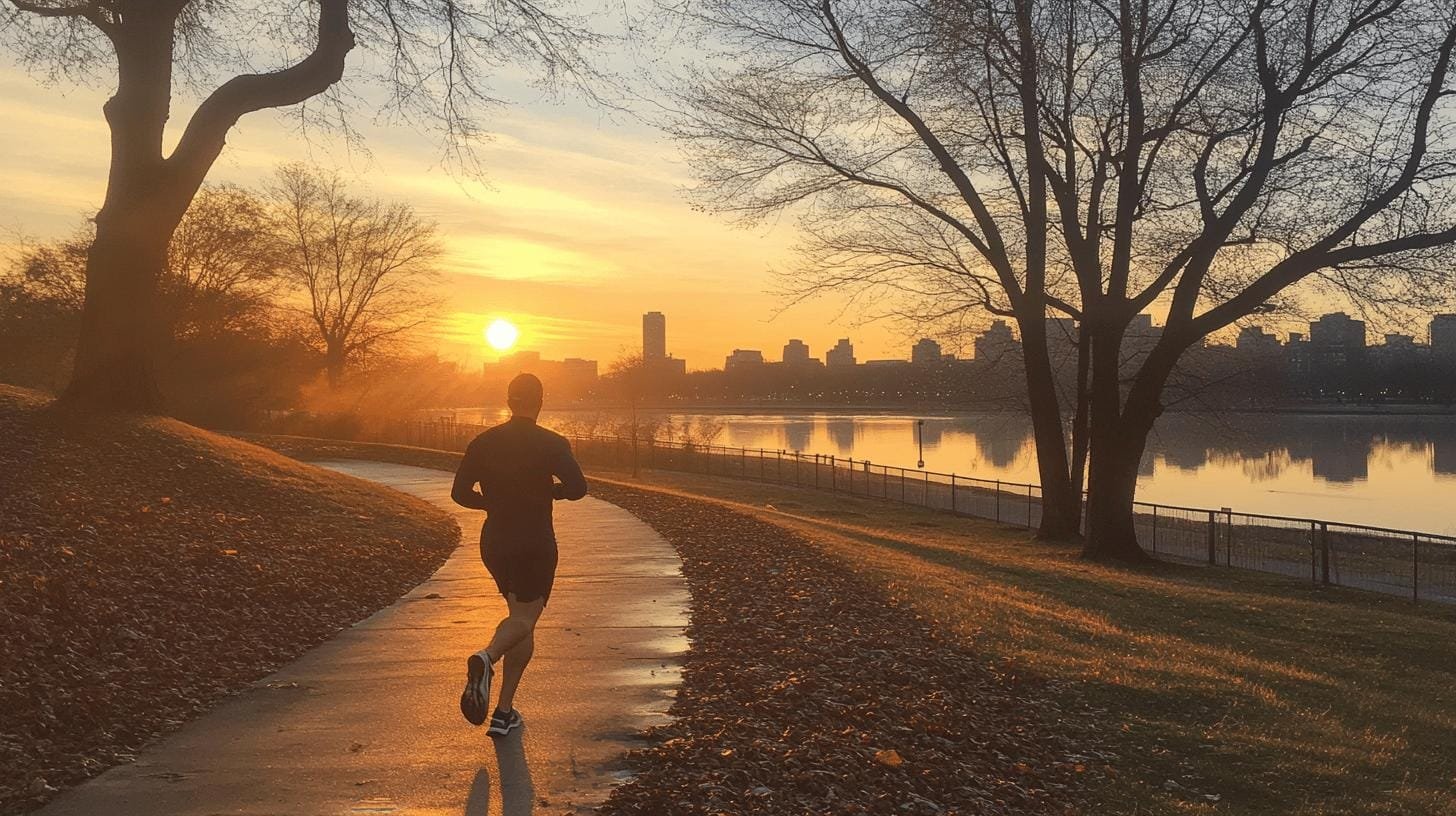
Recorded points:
475,700
502,724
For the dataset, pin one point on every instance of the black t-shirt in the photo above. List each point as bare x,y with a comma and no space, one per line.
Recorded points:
516,464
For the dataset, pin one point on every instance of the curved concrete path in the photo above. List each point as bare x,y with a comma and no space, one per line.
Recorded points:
369,722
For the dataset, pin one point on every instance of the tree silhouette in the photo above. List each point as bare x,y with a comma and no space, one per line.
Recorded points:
361,264
430,58
1088,160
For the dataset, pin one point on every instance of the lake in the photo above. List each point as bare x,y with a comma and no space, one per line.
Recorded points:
1389,471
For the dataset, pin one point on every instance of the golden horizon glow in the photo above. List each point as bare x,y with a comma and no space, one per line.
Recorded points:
501,334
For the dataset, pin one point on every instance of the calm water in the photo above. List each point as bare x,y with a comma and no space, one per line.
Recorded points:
1391,471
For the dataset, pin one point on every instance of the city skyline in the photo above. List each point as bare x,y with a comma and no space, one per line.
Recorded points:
1333,329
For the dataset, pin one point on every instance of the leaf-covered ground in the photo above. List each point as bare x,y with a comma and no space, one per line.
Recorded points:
148,569
812,689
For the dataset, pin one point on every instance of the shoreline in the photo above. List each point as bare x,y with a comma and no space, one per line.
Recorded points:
928,411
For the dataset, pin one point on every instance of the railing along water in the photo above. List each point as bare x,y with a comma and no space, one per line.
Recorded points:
1417,565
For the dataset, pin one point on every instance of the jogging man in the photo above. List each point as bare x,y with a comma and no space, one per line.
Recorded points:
516,465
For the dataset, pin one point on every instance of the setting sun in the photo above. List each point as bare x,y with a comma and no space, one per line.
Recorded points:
501,334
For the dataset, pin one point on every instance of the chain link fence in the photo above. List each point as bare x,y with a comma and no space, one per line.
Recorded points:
1420,566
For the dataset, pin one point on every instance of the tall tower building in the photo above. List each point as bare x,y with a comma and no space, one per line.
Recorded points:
654,337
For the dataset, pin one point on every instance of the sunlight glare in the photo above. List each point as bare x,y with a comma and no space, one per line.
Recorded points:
501,334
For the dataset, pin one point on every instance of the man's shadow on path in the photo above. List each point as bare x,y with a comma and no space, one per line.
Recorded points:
517,792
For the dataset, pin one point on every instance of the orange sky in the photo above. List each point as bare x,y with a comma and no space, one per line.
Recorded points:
581,227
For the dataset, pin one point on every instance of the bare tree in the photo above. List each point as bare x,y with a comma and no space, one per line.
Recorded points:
222,269
1090,159
223,264
363,265
430,58
627,377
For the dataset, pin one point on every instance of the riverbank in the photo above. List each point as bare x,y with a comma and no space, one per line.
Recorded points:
938,409
149,569
1222,692
1226,692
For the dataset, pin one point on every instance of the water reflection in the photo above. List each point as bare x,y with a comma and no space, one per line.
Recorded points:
797,434
841,436
1387,470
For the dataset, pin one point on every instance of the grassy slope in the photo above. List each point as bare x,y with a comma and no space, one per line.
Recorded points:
1273,696
148,568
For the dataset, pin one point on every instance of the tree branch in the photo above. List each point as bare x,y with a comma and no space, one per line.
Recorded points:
206,132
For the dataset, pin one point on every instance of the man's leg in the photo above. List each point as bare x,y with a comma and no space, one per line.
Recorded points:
515,665
516,627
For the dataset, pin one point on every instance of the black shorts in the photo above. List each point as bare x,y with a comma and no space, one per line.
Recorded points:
526,572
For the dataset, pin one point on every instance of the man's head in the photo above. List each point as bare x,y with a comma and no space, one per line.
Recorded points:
524,395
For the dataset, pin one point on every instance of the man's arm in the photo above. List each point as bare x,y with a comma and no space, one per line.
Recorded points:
573,483
463,491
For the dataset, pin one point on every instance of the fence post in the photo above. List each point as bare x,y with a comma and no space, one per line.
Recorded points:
1313,553
1212,538
833,474
952,493
1324,540
902,486
1155,529
1228,538
1415,567
998,500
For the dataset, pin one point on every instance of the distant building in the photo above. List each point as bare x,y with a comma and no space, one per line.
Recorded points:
1140,338
654,336
997,343
576,367
570,376
1257,340
1337,355
669,367
1337,331
743,357
925,351
796,352
1443,336
841,355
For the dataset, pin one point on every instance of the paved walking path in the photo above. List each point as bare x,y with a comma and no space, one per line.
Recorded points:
369,723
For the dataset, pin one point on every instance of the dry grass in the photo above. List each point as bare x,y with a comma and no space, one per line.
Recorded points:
1269,694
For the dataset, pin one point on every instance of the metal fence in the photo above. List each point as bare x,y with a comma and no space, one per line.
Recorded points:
1420,566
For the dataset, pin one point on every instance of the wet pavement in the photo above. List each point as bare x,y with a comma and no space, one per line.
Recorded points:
369,722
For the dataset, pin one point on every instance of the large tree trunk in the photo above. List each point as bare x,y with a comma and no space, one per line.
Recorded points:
1118,438
1061,505
119,331
1111,489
